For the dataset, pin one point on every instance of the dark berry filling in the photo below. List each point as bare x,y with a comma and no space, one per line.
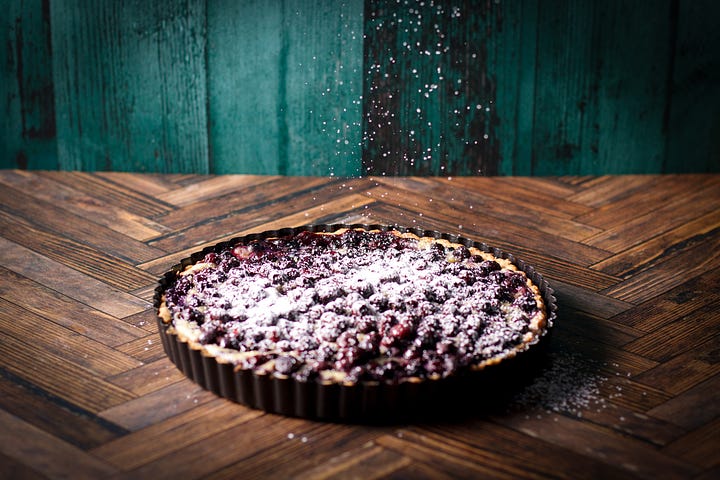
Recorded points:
367,306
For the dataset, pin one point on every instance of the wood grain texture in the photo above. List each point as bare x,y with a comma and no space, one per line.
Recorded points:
130,85
286,97
694,59
430,93
361,87
86,390
27,115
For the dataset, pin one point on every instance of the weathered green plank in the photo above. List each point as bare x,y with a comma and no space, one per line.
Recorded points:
635,61
693,129
600,87
565,106
244,85
429,89
514,66
285,86
130,85
27,112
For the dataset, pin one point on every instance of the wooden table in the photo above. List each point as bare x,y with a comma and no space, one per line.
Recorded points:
631,387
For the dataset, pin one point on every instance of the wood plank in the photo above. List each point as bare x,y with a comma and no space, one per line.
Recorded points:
11,468
670,272
454,459
46,454
589,115
632,456
430,106
419,471
624,391
337,211
27,125
674,213
88,207
37,332
135,414
52,414
699,446
108,188
684,334
173,434
151,185
224,221
686,369
693,408
366,462
199,459
286,102
598,304
144,320
130,89
74,284
147,378
694,59
630,114
592,347
70,253
627,421
145,349
541,458
65,311
644,201
609,189
73,223
212,187
515,212
515,58
674,303
79,386
583,324
538,194
299,452
647,253
257,194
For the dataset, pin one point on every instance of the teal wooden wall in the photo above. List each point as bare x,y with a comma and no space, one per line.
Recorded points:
355,87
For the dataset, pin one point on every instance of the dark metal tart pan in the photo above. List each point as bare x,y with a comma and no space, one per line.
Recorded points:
368,402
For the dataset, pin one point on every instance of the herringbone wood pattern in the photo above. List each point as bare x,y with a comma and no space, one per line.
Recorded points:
87,392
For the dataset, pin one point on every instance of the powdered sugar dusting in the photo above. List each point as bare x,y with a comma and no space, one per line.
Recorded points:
356,306
570,384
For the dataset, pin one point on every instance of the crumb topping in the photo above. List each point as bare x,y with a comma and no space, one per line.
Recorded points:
354,306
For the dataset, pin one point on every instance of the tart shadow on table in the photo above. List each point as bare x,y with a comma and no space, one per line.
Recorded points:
561,374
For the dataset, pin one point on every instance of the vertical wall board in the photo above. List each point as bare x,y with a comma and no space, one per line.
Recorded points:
565,110
243,60
429,91
635,51
323,87
130,85
693,128
513,62
601,87
27,110
286,97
